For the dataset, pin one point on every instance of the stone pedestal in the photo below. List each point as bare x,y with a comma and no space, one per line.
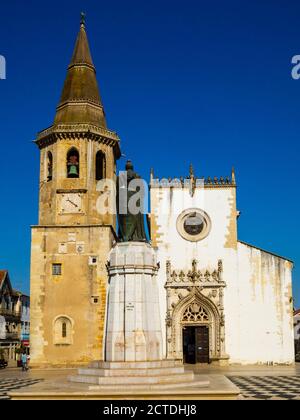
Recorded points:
134,350
133,331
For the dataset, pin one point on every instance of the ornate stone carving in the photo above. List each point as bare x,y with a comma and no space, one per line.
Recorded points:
195,297
191,181
194,276
195,313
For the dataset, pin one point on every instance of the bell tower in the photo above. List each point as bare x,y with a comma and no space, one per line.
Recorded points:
70,245
78,150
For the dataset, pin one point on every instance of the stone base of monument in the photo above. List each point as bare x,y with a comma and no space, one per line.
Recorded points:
60,388
134,345
163,374
133,330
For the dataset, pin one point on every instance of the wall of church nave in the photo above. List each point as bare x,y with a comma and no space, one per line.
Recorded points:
68,293
264,330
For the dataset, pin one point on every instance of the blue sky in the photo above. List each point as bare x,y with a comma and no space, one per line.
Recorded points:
194,81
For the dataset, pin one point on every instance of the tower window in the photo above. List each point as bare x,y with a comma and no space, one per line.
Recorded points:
49,166
64,330
73,163
100,166
56,270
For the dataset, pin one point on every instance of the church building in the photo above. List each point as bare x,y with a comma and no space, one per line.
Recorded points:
221,300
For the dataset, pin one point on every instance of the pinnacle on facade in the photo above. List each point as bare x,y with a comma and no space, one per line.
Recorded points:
233,179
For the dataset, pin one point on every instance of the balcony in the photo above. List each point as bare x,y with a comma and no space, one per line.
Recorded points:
10,312
12,336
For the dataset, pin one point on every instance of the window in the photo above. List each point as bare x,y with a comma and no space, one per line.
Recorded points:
49,166
73,163
7,304
194,225
93,260
63,330
100,166
56,269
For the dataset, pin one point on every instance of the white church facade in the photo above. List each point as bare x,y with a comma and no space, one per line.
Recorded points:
221,300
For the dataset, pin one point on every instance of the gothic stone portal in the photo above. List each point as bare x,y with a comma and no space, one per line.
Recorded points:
195,318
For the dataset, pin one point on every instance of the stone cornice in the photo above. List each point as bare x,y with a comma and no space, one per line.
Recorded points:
203,183
78,132
132,269
90,66
79,101
68,226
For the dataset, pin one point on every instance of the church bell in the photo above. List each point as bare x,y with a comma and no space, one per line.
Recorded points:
73,171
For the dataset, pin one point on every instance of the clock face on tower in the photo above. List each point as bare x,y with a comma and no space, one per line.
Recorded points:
71,203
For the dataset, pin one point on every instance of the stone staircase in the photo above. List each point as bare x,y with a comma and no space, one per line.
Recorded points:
136,375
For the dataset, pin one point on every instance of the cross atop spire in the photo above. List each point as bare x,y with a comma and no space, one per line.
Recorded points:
82,53
82,18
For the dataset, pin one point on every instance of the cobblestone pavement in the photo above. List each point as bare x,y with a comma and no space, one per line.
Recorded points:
255,382
10,384
268,387
259,382
12,378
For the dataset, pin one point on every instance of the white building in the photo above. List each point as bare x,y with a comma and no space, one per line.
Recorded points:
297,330
221,300
297,324
14,318
25,320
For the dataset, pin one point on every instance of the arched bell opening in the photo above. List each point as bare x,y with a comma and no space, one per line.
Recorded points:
100,166
73,168
49,166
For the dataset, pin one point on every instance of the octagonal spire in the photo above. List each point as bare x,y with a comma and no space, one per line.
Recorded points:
80,100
